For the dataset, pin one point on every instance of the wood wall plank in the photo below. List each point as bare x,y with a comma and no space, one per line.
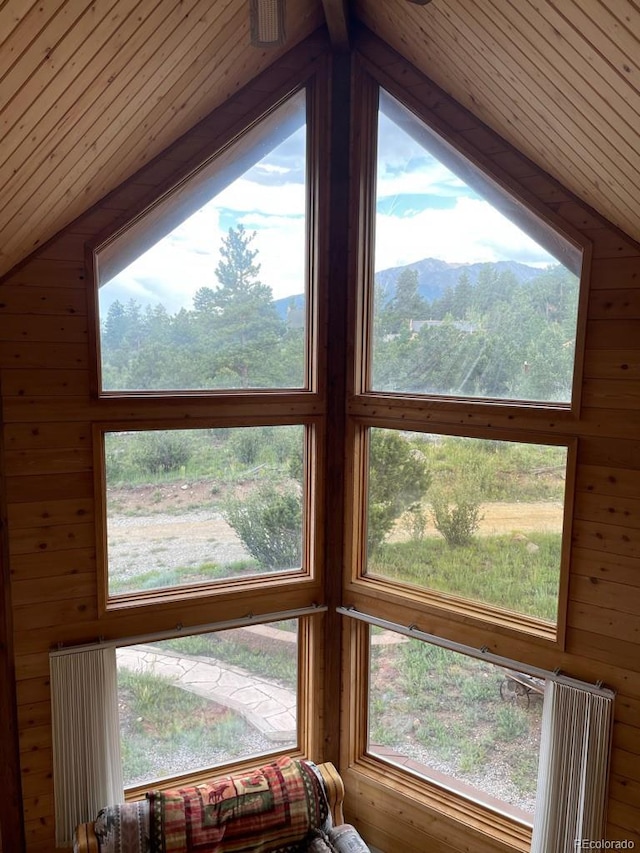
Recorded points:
40,436
20,300
68,610
30,515
612,364
27,568
605,622
614,274
63,460
22,489
59,537
603,594
613,567
613,539
614,652
70,356
31,383
616,510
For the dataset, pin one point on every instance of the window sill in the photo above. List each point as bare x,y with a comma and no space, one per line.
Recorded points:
419,795
451,607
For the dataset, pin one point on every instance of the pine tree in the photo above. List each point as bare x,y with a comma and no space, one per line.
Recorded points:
237,272
405,305
246,330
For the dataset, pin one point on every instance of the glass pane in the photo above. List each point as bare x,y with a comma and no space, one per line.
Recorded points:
195,506
476,518
195,702
467,725
474,296
208,290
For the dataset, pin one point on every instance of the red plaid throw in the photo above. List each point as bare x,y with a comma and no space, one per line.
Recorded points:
270,809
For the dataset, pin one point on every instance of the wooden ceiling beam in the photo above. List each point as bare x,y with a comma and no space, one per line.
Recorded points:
337,14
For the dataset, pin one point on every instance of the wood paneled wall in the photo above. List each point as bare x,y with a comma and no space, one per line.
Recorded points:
48,412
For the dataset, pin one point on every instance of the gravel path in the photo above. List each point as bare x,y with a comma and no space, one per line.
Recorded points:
493,780
190,537
143,543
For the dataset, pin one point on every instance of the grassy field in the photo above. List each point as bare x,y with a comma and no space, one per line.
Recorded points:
445,711
518,574
166,730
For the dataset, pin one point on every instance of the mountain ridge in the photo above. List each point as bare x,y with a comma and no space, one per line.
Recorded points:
434,277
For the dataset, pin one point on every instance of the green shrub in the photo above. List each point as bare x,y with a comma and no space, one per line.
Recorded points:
269,523
161,451
246,445
457,522
414,523
398,479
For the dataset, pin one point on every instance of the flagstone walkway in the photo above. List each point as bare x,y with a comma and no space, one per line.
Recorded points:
271,709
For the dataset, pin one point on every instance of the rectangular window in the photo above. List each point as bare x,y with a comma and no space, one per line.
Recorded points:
463,724
475,295
186,507
195,702
479,519
194,295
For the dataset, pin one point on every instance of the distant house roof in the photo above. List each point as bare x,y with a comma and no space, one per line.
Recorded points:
462,325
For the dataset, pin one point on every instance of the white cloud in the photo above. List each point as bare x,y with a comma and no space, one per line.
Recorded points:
430,178
172,271
470,232
284,199
467,232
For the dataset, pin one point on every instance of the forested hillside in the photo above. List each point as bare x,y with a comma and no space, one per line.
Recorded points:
501,330
499,337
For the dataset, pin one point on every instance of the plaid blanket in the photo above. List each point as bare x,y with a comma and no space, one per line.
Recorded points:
271,809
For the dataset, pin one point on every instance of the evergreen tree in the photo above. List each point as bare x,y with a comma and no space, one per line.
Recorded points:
246,329
237,272
204,300
462,297
398,479
405,305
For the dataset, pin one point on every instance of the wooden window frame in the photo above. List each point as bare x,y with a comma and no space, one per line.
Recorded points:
315,89
368,84
430,602
506,420
307,577
139,410
309,735
529,640
401,789
177,610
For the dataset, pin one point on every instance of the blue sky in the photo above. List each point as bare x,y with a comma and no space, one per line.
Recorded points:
423,210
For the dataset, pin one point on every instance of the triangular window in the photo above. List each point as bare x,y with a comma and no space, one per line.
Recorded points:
475,296
207,289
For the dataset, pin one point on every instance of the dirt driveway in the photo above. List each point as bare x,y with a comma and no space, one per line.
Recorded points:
157,528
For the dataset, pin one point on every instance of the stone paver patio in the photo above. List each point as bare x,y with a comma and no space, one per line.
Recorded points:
269,707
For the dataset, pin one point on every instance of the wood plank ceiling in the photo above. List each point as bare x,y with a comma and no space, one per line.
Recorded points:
89,91
559,79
